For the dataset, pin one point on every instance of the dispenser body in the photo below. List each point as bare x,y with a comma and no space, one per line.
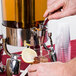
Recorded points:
19,16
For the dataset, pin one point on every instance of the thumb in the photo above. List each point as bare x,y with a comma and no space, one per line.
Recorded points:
55,6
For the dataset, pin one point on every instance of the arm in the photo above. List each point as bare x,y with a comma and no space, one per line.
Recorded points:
53,69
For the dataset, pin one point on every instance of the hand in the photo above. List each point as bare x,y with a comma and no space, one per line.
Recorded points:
50,2
47,69
68,8
53,69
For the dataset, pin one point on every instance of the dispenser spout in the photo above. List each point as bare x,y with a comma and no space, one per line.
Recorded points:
45,21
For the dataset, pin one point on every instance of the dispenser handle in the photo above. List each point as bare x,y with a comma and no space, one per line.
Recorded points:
45,21
5,41
5,47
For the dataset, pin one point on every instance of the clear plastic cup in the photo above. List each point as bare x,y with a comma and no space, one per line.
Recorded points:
62,45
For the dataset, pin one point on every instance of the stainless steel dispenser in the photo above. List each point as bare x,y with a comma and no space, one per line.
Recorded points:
21,29
19,19
19,22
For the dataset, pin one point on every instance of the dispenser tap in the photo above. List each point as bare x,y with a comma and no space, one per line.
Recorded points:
13,65
52,53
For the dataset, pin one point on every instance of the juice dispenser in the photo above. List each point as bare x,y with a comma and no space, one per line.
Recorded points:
18,17
22,20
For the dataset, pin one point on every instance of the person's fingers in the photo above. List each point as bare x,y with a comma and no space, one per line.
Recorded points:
58,15
55,6
33,68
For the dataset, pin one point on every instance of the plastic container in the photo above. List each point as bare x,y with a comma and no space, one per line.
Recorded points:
62,45
60,30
